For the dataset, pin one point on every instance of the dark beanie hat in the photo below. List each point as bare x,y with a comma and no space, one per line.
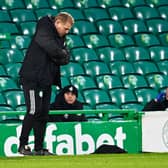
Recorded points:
70,88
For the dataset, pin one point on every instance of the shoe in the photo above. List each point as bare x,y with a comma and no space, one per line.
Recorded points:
42,152
25,150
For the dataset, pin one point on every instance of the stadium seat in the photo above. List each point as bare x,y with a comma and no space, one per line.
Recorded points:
72,69
158,53
120,40
64,81
95,68
7,83
134,53
133,3
109,26
108,81
2,100
106,106
120,13
5,5
162,65
85,4
154,3
84,54
145,67
95,97
28,28
15,98
163,10
81,27
164,38
135,106
122,96
121,68
60,4
73,41
20,41
22,15
4,43
83,82
4,16
45,11
134,81
95,40
95,14
2,71
109,3
8,27
157,81
109,54
10,56
145,12
33,4
157,26
145,95
146,40
133,26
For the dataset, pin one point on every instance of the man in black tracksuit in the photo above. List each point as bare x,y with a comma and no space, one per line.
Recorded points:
40,70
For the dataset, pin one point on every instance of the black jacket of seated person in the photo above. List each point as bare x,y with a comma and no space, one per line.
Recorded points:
61,104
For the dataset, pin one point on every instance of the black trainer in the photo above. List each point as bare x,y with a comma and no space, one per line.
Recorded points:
42,152
25,150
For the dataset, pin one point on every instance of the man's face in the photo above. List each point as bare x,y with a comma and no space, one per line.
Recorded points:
69,97
62,28
167,94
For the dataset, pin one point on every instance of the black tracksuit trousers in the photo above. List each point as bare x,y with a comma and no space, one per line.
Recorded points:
38,102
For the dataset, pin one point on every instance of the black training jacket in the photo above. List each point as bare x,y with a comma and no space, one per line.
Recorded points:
44,56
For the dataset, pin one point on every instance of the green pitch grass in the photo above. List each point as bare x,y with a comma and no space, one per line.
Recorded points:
147,160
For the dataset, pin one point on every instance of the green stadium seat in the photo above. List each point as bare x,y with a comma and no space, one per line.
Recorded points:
109,54
157,26
162,65
95,40
7,83
60,4
2,71
157,81
85,4
14,4
84,54
108,82
109,26
83,82
28,28
158,53
134,106
72,69
163,38
8,27
4,16
81,27
134,81
76,13
106,106
154,3
22,15
4,108
10,56
133,3
121,68
135,53
95,97
4,44
14,98
33,4
95,68
74,41
94,14
145,12
2,100
120,13
20,41
145,95
45,11
120,40
146,40
65,81
145,67
163,10
109,3
133,26
122,96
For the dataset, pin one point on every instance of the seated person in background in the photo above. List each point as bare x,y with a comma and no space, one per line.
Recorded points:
67,100
160,103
